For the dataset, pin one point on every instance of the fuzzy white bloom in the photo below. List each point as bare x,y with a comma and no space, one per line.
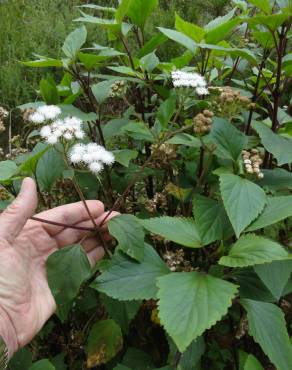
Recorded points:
53,139
37,118
202,91
50,112
94,156
95,167
69,128
188,79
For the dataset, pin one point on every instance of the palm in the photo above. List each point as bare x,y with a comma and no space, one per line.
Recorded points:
24,292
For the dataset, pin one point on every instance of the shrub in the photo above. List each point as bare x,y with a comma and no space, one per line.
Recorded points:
199,273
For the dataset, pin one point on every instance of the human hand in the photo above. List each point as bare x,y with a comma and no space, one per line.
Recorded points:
26,301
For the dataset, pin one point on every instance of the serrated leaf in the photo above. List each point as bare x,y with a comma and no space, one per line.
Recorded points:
105,340
252,250
182,231
205,300
74,42
67,269
130,235
127,279
268,328
185,139
277,179
43,62
277,209
211,219
280,147
275,276
189,29
264,5
180,38
220,32
242,199
228,140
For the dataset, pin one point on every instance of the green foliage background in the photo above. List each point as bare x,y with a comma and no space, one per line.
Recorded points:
30,26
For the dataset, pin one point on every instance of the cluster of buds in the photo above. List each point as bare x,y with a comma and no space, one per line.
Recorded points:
15,152
252,162
203,122
176,261
158,202
4,195
27,113
3,115
164,153
118,89
229,102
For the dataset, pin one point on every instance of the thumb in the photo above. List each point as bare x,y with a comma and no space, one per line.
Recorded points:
19,211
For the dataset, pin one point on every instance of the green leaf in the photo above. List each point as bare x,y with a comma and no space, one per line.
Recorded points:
251,286
264,5
123,312
138,131
205,300
124,156
151,45
102,90
179,38
211,219
90,61
277,179
122,10
220,20
42,365
67,269
272,22
191,358
7,170
127,279
140,10
275,276
136,359
277,209
252,250
149,62
130,235
251,363
104,342
185,139
280,147
49,91
220,32
189,29
22,359
74,41
228,140
43,62
166,111
53,161
267,326
182,231
29,163
243,200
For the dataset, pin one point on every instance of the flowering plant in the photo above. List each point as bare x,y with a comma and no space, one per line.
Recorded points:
195,153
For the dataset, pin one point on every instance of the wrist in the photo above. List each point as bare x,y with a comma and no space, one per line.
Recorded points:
7,333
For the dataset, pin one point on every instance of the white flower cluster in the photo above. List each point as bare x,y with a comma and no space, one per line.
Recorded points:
69,128
92,155
187,79
45,113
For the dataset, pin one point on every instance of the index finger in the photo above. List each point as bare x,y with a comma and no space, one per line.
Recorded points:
70,214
